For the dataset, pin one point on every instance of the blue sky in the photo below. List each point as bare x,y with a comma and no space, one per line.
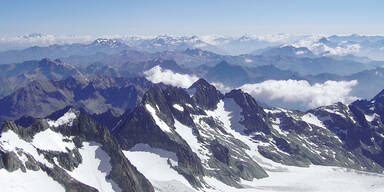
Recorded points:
182,17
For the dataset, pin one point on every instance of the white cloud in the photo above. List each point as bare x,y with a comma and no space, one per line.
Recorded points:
44,39
299,94
313,44
157,75
221,87
308,41
342,49
302,92
275,38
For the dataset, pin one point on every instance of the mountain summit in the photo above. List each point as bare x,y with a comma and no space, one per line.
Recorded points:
194,139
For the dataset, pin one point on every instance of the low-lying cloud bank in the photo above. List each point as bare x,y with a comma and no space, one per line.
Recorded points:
166,76
317,47
299,94
37,39
159,75
302,92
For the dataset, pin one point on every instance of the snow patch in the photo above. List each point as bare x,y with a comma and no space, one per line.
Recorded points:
317,178
18,181
370,118
178,107
49,140
163,126
229,114
189,105
10,141
276,126
157,170
67,118
94,168
187,134
334,111
312,119
274,110
161,152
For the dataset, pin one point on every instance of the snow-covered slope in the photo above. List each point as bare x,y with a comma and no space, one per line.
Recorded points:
201,140
71,153
229,143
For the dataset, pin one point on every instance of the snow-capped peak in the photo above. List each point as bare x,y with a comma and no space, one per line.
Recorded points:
112,43
66,119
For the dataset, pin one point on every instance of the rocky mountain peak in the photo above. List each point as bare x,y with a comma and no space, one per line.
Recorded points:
244,100
169,119
254,115
60,113
205,94
61,148
201,83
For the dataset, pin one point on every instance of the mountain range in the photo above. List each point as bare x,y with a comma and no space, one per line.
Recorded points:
107,46
177,139
334,45
97,96
369,77
193,113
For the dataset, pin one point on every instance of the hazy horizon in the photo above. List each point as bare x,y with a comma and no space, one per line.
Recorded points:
149,17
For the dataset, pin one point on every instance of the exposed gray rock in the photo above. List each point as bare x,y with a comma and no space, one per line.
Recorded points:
140,127
81,129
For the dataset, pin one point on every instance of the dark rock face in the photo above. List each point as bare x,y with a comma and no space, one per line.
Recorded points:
205,94
82,129
140,127
220,152
11,162
25,121
108,119
365,137
254,115
123,173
